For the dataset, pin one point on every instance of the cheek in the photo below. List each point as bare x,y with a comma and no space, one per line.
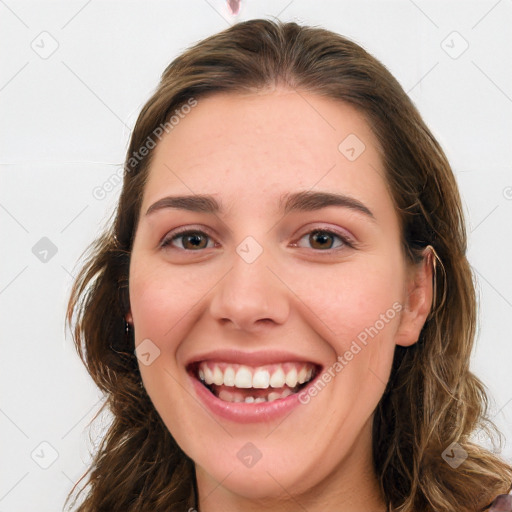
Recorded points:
360,305
161,297
162,301
353,297
357,308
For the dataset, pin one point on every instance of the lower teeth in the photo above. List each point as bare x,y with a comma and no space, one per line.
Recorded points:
233,396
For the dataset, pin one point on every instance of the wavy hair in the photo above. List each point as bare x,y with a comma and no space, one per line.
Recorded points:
432,399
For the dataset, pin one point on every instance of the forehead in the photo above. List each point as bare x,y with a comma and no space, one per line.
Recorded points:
243,146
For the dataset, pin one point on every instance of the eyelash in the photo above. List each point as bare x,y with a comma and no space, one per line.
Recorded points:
345,241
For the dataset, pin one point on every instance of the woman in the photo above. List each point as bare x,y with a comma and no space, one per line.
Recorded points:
282,313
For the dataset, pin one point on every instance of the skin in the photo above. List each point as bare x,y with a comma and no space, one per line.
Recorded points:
246,151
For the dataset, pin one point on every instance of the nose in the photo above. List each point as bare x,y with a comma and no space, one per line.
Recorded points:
250,297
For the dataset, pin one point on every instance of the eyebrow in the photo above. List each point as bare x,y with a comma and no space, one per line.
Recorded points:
298,201
194,203
310,201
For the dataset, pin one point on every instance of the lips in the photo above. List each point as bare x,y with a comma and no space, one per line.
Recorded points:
231,381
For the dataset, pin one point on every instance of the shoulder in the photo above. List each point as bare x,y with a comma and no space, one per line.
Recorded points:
502,503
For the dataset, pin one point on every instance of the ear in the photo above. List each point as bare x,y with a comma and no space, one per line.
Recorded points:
418,301
129,318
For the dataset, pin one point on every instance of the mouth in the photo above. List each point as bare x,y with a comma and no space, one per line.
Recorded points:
231,382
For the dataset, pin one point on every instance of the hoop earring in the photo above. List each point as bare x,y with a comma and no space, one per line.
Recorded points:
432,255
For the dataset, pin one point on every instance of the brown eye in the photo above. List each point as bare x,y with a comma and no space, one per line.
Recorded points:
189,241
321,239
194,241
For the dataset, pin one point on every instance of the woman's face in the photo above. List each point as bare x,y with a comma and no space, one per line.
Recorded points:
271,284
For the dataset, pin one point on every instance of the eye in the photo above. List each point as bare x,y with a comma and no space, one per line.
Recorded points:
323,239
189,240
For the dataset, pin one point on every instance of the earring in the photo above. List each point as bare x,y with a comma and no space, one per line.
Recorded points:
432,255
127,327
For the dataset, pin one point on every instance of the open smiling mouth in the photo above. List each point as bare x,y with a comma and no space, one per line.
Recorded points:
242,383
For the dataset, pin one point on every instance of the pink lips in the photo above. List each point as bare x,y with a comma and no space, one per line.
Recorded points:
242,412
259,358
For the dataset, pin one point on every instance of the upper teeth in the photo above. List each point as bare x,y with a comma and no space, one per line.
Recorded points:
242,376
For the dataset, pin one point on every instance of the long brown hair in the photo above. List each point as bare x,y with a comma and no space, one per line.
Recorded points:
432,399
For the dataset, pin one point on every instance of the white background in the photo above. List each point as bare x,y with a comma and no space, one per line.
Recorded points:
65,122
